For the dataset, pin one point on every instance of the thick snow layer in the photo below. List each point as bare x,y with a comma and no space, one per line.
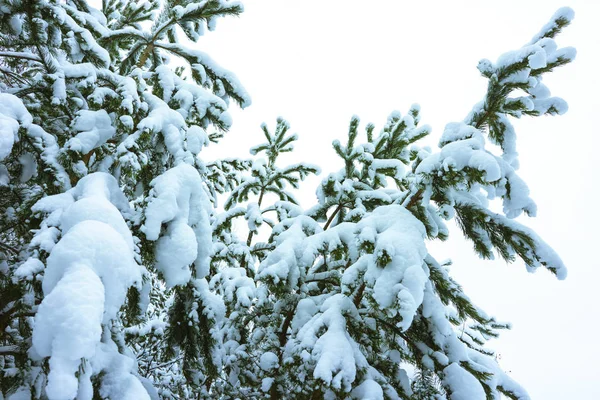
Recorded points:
94,127
305,310
98,209
282,264
84,284
170,124
268,361
336,355
368,390
12,114
68,326
537,60
196,139
175,252
173,196
394,274
86,243
119,382
462,384
57,202
214,308
21,394
519,199
392,164
235,286
102,185
178,200
29,268
397,286
463,146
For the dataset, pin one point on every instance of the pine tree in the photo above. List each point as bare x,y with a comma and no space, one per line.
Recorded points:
105,214
122,277
350,304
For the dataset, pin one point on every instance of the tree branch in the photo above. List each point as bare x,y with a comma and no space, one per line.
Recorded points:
18,54
4,246
332,216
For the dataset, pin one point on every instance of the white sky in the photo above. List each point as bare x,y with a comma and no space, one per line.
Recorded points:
316,63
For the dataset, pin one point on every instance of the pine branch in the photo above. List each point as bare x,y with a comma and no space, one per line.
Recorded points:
20,55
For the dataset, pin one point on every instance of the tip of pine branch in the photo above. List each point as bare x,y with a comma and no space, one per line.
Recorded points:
561,18
564,13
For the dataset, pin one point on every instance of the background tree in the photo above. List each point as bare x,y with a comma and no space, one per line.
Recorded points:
350,301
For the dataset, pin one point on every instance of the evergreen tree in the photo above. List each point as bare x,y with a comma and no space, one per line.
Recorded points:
350,304
105,214
122,278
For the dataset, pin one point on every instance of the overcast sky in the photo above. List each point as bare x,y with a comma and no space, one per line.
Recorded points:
316,63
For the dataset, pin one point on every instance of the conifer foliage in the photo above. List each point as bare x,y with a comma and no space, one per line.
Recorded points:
123,277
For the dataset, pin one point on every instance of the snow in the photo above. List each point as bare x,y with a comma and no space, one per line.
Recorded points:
97,209
21,394
463,146
455,131
544,254
462,384
175,251
157,325
83,243
214,308
396,165
84,285
305,310
194,102
212,68
104,185
4,176
266,384
400,237
368,390
29,167
169,123
49,204
196,139
537,60
118,381
286,262
563,13
253,216
235,286
94,127
29,268
68,327
519,199
178,199
47,145
46,238
12,114
8,135
336,355
268,361
16,23
552,105
500,378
